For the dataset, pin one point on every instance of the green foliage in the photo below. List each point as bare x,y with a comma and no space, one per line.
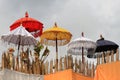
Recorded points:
38,47
46,51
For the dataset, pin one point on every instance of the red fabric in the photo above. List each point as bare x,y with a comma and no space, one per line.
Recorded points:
30,24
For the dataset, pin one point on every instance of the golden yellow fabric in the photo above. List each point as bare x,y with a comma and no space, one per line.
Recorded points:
77,76
108,71
50,35
56,29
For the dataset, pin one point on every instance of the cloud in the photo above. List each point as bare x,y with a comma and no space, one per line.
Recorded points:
93,17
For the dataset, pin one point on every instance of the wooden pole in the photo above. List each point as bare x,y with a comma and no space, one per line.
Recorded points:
60,64
82,55
51,66
56,54
117,55
104,57
112,56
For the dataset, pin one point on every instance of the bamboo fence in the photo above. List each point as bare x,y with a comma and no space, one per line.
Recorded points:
67,62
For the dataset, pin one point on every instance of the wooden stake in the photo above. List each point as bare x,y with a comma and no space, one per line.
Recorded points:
117,55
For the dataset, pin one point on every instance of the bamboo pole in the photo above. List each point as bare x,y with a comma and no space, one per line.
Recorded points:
37,64
89,69
98,59
75,64
4,61
112,56
34,67
30,70
51,66
69,62
55,67
103,58
80,66
117,55
43,68
60,64
86,68
107,58
46,67
92,71
72,65
65,62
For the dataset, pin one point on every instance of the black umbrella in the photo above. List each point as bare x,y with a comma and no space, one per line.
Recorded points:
104,45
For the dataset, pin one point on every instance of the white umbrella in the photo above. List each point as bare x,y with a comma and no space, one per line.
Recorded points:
81,46
19,36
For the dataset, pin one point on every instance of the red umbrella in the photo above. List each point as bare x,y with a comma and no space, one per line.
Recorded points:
31,25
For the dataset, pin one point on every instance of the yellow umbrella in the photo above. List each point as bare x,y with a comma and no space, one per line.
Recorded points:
56,36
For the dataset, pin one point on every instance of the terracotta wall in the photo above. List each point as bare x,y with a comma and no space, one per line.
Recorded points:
77,76
66,75
108,71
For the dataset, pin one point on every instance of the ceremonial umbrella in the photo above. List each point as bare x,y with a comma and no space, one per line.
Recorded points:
32,25
19,36
104,45
81,46
56,36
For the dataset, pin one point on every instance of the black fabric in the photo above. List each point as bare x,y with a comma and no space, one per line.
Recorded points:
105,45
102,46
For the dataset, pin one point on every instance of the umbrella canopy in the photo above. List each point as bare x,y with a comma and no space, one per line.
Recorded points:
56,36
50,35
104,45
31,25
19,36
81,46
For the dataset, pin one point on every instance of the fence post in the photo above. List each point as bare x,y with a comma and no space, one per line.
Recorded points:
51,66
43,68
98,59
117,55
37,64
102,58
80,66
112,56
87,68
92,71
107,58
60,64
76,65
65,63
3,61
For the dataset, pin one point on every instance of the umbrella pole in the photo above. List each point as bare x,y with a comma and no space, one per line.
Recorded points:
82,55
56,55
19,45
18,51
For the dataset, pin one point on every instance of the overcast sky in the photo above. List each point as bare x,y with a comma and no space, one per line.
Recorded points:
93,17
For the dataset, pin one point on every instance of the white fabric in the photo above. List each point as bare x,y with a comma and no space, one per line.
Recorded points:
19,36
14,75
75,47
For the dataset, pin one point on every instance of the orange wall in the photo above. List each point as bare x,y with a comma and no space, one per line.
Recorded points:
108,71
66,75
77,76
61,75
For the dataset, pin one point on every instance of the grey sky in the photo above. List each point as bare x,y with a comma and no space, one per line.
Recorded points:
93,17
